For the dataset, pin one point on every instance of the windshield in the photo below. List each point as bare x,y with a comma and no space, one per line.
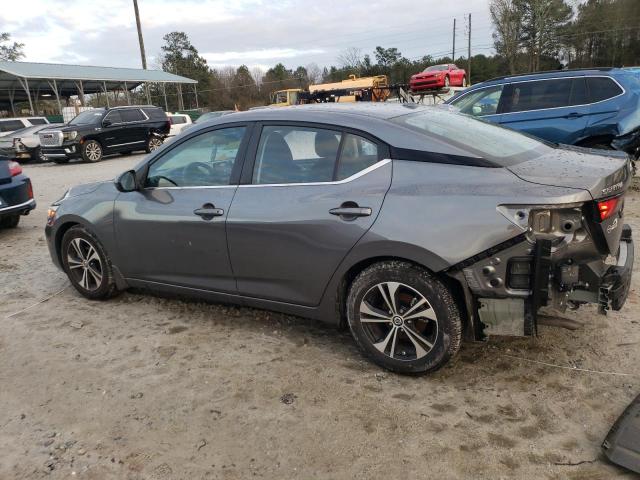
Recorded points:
436,68
497,144
89,117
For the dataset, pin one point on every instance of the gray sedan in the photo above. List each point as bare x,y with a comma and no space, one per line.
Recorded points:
416,227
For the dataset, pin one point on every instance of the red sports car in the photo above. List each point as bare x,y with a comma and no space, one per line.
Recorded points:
438,76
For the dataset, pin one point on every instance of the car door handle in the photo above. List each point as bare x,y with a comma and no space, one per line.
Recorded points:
573,115
349,213
208,211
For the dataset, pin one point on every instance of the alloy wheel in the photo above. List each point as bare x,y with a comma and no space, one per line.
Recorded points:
85,266
154,143
93,151
399,321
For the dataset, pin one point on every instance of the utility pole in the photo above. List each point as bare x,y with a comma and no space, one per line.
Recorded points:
469,55
453,54
140,40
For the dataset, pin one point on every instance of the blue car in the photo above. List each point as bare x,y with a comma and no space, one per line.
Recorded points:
596,108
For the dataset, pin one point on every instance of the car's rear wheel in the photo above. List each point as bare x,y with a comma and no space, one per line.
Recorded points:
87,264
91,151
10,221
403,318
153,143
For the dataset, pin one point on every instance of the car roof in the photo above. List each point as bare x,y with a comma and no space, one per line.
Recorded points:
575,72
371,118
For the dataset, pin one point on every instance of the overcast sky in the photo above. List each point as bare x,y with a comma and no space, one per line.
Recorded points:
250,32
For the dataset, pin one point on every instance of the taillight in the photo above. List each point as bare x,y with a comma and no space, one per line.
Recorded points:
29,189
606,208
14,168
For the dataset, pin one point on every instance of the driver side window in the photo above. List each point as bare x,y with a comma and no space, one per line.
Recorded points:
202,161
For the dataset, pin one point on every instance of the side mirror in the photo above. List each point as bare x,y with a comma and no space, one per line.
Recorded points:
127,181
106,123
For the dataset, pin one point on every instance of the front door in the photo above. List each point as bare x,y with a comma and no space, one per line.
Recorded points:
173,230
312,193
555,110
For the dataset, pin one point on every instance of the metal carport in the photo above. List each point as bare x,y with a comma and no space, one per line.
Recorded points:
28,81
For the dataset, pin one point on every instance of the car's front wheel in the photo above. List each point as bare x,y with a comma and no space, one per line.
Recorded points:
464,81
446,82
87,264
91,151
403,318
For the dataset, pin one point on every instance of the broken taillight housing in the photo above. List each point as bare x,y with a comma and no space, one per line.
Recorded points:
608,207
14,168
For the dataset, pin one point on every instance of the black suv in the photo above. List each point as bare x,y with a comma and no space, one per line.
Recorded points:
101,131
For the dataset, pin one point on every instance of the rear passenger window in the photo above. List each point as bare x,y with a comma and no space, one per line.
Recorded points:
538,95
602,88
296,155
131,115
357,154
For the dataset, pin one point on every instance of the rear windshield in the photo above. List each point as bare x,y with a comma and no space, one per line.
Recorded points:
498,145
38,121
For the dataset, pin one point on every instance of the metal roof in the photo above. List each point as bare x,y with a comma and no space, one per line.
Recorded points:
59,71
41,79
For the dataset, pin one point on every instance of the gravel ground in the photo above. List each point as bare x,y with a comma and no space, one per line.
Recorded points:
141,387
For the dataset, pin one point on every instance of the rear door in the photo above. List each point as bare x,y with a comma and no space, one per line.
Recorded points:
555,110
308,194
173,231
134,131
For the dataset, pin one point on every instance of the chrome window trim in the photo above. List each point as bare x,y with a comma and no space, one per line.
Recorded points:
624,91
353,177
375,166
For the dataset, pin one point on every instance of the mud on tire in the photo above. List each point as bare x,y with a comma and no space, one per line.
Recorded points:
402,297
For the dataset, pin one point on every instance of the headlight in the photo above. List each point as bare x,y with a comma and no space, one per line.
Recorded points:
70,135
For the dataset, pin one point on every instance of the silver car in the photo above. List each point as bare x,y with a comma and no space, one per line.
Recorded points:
416,227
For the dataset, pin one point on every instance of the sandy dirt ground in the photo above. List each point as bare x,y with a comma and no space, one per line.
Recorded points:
141,387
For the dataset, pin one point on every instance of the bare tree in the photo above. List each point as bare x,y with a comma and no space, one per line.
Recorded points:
507,21
314,74
257,74
350,58
10,52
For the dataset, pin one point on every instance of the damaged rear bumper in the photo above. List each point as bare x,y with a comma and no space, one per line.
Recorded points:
513,281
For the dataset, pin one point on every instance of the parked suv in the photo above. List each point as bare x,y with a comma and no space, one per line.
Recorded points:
591,108
101,131
10,125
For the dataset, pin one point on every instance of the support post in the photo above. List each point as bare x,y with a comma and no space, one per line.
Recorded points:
24,83
80,89
195,91
106,95
54,87
164,94
126,92
12,96
453,52
147,93
180,99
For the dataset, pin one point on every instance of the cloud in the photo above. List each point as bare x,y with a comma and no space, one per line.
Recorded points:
252,32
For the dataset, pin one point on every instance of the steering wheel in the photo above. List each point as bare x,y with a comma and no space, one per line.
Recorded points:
197,170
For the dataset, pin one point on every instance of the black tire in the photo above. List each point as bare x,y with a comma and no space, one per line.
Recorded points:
78,237
443,332
447,82
92,151
10,221
37,155
60,161
153,143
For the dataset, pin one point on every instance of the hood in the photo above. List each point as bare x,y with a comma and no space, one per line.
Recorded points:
85,188
602,173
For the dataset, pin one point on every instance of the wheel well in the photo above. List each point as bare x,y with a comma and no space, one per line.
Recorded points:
62,229
457,290
596,140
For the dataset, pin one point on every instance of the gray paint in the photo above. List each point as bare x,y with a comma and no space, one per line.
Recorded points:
278,247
